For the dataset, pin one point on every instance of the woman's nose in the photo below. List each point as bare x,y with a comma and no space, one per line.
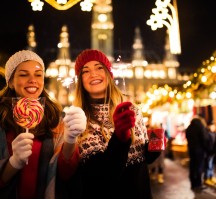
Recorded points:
93,73
32,79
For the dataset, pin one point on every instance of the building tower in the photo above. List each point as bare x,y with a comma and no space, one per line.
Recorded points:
170,60
102,27
64,46
139,63
31,41
61,71
138,58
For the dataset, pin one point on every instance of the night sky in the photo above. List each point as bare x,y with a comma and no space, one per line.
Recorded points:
197,21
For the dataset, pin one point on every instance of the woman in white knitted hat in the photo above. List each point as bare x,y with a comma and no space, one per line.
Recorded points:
31,163
113,149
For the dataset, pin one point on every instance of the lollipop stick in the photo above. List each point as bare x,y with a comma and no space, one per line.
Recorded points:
27,131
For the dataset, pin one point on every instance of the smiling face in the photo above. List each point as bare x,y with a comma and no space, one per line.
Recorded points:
28,79
94,79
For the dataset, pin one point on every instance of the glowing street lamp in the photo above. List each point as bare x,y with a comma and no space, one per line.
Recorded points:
166,14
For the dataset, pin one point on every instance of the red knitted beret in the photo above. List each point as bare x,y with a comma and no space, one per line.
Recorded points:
91,55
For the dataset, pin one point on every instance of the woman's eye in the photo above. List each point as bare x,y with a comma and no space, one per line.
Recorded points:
85,71
100,67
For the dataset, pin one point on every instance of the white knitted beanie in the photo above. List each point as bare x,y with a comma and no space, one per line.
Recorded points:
19,57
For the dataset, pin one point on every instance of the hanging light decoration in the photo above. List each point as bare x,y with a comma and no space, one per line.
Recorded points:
86,5
37,5
166,14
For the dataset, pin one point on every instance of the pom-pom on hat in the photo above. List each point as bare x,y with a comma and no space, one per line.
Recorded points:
91,55
19,57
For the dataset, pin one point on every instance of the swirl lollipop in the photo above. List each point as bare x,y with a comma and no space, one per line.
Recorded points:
28,112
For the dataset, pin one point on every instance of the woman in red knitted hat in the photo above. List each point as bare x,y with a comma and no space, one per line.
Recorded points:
113,147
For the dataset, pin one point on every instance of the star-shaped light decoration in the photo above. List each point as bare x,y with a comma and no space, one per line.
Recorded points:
37,5
86,5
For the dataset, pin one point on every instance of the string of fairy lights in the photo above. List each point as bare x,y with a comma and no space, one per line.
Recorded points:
200,88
